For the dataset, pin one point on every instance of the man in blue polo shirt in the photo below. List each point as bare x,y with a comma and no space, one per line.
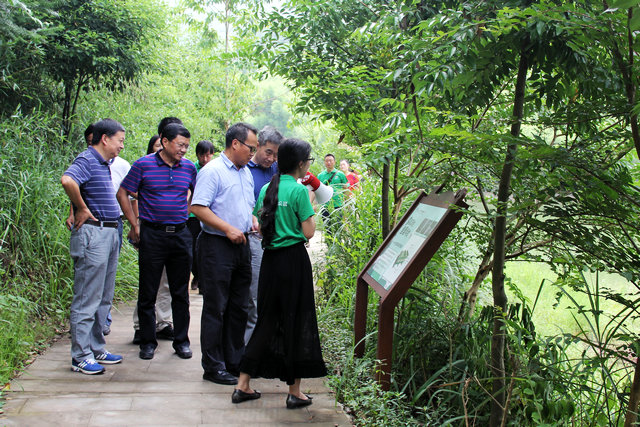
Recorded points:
161,182
94,246
223,201
263,167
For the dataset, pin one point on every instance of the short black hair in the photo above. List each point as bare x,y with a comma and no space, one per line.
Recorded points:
205,147
107,127
167,121
88,131
172,130
329,155
239,131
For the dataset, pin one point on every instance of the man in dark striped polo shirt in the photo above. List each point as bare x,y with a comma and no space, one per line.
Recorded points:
161,182
94,246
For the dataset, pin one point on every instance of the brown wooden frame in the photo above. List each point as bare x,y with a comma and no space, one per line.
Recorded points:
391,296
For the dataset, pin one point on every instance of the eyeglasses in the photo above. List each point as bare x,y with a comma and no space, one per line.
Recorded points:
252,149
310,160
182,146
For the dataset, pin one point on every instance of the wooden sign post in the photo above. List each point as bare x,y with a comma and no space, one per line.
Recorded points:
398,263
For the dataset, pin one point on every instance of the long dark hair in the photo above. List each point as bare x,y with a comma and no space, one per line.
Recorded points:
152,142
292,151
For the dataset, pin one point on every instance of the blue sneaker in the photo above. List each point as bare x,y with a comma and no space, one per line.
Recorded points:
107,358
87,366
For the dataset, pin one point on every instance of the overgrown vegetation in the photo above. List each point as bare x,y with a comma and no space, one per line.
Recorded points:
36,271
530,105
441,375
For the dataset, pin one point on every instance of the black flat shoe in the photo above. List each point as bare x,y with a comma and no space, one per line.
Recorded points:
183,351
147,352
294,402
165,333
220,377
240,396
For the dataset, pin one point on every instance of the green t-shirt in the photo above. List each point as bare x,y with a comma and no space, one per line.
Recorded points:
336,181
198,167
294,207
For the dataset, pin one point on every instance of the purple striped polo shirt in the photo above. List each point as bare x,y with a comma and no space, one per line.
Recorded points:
162,189
92,174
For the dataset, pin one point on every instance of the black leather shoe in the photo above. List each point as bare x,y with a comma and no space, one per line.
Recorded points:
220,377
165,333
147,351
183,351
136,337
294,402
240,396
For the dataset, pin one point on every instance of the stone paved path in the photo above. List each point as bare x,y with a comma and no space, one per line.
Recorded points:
166,390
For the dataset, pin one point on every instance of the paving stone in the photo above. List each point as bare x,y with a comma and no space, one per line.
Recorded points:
166,390
145,418
66,419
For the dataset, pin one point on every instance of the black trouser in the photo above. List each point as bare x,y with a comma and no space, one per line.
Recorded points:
171,250
193,224
225,278
332,220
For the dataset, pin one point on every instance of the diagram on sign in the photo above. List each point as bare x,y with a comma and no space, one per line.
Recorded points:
405,244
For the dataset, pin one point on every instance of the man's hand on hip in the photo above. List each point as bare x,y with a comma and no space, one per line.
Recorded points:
81,216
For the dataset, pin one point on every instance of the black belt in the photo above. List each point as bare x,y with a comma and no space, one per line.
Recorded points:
167,228
111,224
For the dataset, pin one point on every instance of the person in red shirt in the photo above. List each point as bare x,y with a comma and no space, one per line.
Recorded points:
352,177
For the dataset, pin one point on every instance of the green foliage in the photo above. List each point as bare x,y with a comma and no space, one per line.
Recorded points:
272,106
608,343
441,372
72,45
364,399
190,86
36,272
20,56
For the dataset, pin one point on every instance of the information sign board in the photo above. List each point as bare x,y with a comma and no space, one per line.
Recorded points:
405,244
398,262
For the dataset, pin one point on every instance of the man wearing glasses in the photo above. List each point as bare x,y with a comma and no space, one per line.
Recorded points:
161,182
223,202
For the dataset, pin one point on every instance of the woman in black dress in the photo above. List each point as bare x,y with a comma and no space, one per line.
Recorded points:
285,343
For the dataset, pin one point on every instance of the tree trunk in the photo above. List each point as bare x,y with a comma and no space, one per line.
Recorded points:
66,110
498,403
634,397
626,71
385,200
470,297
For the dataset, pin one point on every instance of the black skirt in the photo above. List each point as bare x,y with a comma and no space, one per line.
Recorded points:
285,343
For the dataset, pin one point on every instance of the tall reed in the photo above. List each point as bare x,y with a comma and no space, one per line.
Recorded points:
36,272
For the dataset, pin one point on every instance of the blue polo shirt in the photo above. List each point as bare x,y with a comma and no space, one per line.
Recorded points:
92,174
162,189
227,191
261,176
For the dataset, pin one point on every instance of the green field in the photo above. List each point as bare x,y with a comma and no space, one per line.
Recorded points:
552,317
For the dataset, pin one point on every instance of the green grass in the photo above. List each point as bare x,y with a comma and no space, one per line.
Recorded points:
36,271
549,316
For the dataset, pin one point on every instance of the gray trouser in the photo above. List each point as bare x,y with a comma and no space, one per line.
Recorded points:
255,243
94,251
163,306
